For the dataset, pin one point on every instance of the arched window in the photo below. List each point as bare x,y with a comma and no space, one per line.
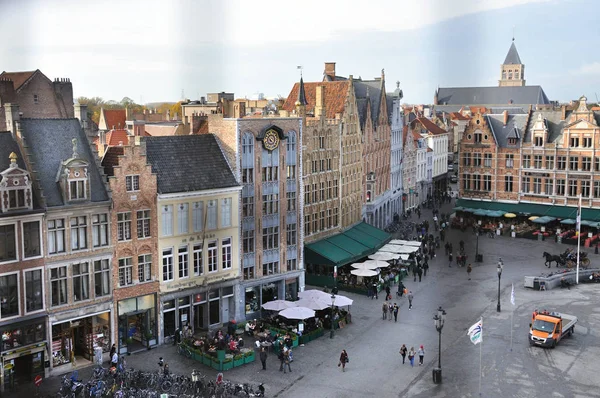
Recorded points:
247,143
291,142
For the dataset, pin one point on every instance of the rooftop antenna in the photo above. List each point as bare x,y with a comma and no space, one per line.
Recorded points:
182,95
597,101
513,38
300,67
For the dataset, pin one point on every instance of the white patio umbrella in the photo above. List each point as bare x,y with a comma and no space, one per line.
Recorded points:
405,242
399,249
363,266
297,313
278,305
319,295
314,303
377,263
363,272
342,301
383,256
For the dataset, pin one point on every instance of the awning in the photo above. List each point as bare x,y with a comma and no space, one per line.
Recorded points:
532,209
346,247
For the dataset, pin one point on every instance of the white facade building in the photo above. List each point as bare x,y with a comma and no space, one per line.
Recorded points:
397,122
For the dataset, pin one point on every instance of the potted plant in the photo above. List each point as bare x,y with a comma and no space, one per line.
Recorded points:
249,357
206,359
227,364
238,360
150,340
215,364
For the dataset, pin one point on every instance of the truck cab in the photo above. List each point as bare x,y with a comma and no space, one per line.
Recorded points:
548,328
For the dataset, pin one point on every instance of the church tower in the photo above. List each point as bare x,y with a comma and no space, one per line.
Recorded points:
512,71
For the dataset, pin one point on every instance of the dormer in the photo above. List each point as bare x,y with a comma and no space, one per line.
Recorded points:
15,188
539,132
73,178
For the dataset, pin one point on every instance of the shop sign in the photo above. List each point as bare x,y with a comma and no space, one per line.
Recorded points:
38,380
183,318
24,350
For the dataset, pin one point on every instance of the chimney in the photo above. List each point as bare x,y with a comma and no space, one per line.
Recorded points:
127,113
7,91
505,117
563,112
319,101
139,128
330,69
81,114
13,116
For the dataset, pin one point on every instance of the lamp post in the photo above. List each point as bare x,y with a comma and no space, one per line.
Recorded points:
499,270
331,320
477,244
438,321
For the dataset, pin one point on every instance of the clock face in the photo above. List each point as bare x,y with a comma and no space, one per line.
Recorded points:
271,140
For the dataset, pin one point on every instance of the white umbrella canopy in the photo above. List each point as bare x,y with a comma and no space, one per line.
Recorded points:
363,272
314,293
314,303
399,249
278,305
297,313
377,263
405,242
383,256
342,301
363,266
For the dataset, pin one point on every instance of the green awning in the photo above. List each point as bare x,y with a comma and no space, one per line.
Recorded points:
346,247
562,212
533,209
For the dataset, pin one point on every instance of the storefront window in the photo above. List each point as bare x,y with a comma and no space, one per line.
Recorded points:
200,311
15,337
252,299
214,312
137,322
62,344
169,323
269,293
291,289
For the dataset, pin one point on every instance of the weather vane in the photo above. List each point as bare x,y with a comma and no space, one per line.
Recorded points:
300,67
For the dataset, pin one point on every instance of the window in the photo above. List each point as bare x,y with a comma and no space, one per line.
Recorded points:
226,253
100,230
292,264
143,224
81,281
487,183
182,218
36,98
271,204
124,226
78,233
549,188
270,173
198,216
167,220
537,162
596,189
291,201
212,256
477,160
291,172
271,238
183,262
508,183
487,160
211,209
167,260
58,283
271,268
329,164
247,175
510,160
335,188
226,212
132,183
329,219
9,296
249,272
314,166
315,193
560,187
31,239
525,185
322,220
550,162
585,188
329,190
125,271
574,142
572,187
16,199
478,137
562,163
597,164
307,225
538,141
477,182
322,191
248,206
586,163
145,267
197,253
512,141
291,234
322,165
526,161
467,159
307,194
34,293
537,185
101,278
321,142
573,162
76,189
587,142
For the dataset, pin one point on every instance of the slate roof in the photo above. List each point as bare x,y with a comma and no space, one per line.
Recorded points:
515,127
111,159
553,123
188,163
18,78
335,97
114,118
523,95
368,92
512,58
49,144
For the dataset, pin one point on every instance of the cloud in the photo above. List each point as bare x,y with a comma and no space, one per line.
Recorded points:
587,69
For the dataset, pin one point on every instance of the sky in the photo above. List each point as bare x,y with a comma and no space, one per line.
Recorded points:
153,50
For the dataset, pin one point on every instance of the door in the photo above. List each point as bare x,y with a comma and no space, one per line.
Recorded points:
225,310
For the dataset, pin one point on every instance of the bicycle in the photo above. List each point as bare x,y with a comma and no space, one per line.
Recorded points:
182,349
169,339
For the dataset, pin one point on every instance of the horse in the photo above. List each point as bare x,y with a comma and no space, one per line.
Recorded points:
552,257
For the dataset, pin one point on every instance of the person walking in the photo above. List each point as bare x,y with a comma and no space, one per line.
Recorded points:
286,359
411,356
343,360
396,309
421,354
263,357
281,358
410,299
388,295
450,260
375,291
114,360
384,310
425,267
420,273
113,349
403,350
390,310
469,269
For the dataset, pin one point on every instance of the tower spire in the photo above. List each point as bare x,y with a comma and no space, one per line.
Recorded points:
301,94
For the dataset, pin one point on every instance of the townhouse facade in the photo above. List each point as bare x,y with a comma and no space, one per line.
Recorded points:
396,153
410,196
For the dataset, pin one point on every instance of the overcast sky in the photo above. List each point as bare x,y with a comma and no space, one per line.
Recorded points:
151,50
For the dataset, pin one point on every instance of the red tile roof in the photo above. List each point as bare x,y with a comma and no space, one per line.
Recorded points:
18,78
458,116
335,97
114,137
430,126
114,118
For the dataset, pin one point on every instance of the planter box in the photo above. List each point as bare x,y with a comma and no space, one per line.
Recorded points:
152,343
250,358
196,356
295,342
227,365
206,360
216,365
238,362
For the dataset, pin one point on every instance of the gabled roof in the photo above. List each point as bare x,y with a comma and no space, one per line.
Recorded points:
188,163
114,118
430,126
514,128
117,137
111,159
49,144
518,95
458,116
19,78
368,92
552,121
335,97
512,58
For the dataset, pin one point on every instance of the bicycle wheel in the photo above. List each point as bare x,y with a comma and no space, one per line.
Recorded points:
151,384
585,262
175,388
165,386
187,352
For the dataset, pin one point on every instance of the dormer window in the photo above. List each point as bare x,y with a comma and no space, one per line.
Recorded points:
15,188
512,141
538,141
77,189
73,177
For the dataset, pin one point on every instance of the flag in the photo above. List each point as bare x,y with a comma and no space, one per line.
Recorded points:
475,333
512,295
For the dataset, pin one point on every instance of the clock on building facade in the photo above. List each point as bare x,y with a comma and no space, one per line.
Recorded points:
271,140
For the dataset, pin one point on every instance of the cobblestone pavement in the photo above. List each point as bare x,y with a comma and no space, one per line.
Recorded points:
376,369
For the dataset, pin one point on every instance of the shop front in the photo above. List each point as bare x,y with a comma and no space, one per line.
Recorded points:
75,339
24,353
137,327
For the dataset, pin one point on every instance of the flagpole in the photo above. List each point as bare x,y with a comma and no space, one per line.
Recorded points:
480,356
578,238
512,312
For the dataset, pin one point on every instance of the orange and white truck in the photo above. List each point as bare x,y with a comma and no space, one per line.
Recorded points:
548,328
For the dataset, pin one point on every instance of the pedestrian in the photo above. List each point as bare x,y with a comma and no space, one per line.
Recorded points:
425,267
344,358
420,273
388,296
166,371
396,309
263,357
450,260
114,360
286,359
469,269
411,356
375,291
414,270
281,358
113,349
403,350
390,310
384,310
410,298
421,353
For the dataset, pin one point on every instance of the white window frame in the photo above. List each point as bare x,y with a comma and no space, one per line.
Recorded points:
226,256
124,265
77,196
108,269
55,231
124,220
212,256
143,222
183,262
18,295
166,218
132,183
197,259
198,216
50,280
183,221
16,229
78,227
226,212
43,292
145,266
169,266
97,233
211,214
73,276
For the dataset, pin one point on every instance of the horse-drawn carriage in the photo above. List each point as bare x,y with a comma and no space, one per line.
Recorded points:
567,259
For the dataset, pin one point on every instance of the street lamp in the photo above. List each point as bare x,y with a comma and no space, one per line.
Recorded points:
499,270
438,321
332,304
